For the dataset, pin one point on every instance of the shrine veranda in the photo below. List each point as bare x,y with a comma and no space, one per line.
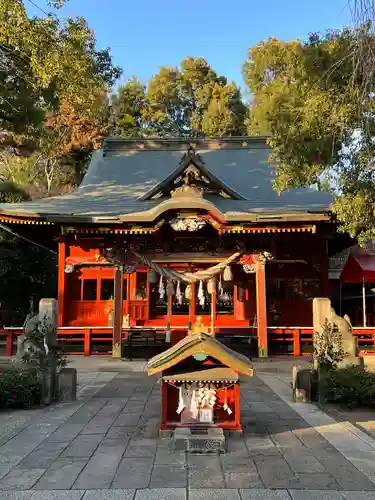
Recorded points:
162,234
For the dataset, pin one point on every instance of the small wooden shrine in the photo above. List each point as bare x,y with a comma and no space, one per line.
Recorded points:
200,383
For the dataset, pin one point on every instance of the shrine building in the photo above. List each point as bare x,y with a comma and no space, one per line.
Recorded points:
163,234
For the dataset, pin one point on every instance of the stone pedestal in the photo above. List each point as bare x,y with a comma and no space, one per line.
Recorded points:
350,361
204,442
67,384
48,319
48,326
322,311
303,381
46,388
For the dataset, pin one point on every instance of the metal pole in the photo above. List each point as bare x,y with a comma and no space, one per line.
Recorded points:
340,307
364,301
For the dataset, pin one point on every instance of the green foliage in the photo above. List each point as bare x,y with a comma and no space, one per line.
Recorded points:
127,105
328,345
351,387
25,270
54,84
308,98
225,114
188,101
10,193
19,386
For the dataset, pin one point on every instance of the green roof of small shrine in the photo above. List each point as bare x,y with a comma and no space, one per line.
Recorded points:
124,177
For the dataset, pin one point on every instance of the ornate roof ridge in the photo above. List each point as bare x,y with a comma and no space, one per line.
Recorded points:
112,144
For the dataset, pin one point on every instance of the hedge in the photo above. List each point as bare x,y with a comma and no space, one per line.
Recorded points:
19,386
351,387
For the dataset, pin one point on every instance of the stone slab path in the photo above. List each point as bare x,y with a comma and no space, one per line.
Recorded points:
105,446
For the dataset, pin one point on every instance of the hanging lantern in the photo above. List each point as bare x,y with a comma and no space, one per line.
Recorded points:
228,275
152,276
241,294
188,292
170,289
211,286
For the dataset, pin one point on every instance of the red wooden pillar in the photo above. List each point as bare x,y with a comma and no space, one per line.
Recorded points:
261,308
9,344
237,406
87,342
163,405
117,313
297,342
61,283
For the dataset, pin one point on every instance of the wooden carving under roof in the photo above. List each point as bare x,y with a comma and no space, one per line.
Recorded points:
191,179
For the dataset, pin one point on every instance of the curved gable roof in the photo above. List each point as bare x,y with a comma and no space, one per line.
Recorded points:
125,170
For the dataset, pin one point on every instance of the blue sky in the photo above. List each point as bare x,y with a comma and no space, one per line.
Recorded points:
146,34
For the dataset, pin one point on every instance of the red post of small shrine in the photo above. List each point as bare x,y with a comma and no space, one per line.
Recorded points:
237,406
117,313
261,308
61,282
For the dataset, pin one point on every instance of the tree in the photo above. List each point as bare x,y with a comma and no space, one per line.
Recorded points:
188,101
20,101
11,193
54,92
126,109
179,101
308,98
225,113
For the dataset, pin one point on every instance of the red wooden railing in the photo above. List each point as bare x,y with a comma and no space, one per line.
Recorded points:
139,310
296,341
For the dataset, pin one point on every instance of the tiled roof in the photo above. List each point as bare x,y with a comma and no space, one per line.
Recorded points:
124,171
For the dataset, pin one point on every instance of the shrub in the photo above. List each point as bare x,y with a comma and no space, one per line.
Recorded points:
19,387
351,387
328,345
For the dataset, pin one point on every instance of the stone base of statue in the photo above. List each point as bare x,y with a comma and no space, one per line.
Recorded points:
67,385
304,385
323,311
46,388
352,361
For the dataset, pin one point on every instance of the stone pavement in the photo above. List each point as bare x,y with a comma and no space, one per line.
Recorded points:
105,446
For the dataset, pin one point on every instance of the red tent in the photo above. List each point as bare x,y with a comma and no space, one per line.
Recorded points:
359,269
